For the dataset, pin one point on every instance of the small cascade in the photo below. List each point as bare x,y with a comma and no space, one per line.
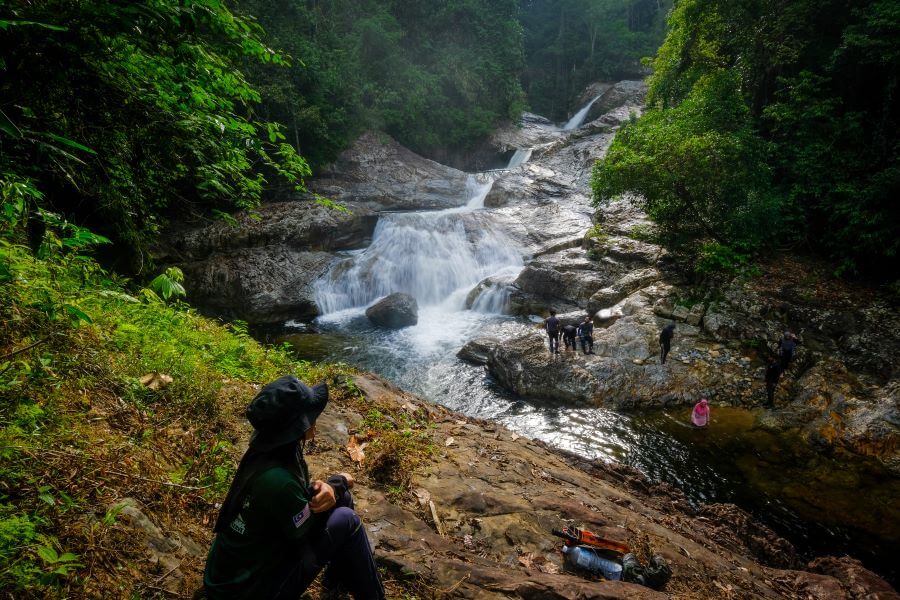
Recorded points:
576,121
520,157
436,257
477,188
493,293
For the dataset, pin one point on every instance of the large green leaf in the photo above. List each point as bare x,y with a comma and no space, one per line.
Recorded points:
8,127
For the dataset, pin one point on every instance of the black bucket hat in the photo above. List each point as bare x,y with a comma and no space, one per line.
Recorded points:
284,410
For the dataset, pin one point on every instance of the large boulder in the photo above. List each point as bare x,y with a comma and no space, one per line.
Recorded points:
383,175
394,311
300,225
259,285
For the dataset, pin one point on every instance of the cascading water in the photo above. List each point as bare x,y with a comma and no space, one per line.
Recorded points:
576,121
520,157
436,257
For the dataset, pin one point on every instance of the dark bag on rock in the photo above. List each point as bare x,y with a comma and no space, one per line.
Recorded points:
657,573
632,570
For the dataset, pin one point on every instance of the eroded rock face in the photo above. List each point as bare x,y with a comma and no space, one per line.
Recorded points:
394,311
264,285
381,174
736,529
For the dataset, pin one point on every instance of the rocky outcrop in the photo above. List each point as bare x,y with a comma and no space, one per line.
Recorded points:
261,267
478,350
394,311
624,371
497,495
620,94
258,285
381,174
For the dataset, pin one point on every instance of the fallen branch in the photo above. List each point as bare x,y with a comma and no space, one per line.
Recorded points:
156,481
21,350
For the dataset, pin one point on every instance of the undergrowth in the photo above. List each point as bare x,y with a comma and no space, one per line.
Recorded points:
82,428
401,444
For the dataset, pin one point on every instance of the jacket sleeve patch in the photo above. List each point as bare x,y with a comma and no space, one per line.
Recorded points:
301,517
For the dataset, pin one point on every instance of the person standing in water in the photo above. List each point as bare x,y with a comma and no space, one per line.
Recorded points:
665,341
700,414
551,326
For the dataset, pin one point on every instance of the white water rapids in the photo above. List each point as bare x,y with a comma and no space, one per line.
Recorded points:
437,257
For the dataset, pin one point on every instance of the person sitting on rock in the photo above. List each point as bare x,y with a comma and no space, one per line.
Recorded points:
586,334
665,341
569,333
276,530
700,414
773,374
551,326
787,345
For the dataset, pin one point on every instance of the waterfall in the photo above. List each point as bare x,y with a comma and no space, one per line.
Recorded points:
493,293
575,122
436,257
519,157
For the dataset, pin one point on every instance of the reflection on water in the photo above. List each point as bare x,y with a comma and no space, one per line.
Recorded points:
823,504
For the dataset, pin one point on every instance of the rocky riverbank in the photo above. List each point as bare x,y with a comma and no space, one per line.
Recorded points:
840,395
496,495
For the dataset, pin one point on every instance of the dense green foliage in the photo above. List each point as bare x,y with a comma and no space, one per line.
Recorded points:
572,43
433,74
123,112
88,414
771,124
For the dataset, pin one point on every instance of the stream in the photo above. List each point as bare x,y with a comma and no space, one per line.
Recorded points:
440,256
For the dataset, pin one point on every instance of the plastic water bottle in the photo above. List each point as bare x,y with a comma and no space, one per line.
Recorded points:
589,560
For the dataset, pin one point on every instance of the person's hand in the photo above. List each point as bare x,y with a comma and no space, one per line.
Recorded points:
324,498
349,479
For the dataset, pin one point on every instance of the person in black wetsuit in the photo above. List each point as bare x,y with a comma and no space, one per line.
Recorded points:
787,345
552,327
586,334
569,334
665,341
773,374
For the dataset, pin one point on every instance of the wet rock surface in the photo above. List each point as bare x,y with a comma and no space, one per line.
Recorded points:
394,311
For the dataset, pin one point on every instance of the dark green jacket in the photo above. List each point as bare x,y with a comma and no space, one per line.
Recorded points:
247,558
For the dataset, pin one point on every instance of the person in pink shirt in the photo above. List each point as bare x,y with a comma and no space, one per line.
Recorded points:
700,415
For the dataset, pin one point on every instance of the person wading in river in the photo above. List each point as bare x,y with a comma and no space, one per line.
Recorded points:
700,414
276,529
665,341
551,326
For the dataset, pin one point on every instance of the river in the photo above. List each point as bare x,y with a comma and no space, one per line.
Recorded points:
440,256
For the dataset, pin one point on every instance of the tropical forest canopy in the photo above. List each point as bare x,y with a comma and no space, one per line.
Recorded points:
771,125
570,44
